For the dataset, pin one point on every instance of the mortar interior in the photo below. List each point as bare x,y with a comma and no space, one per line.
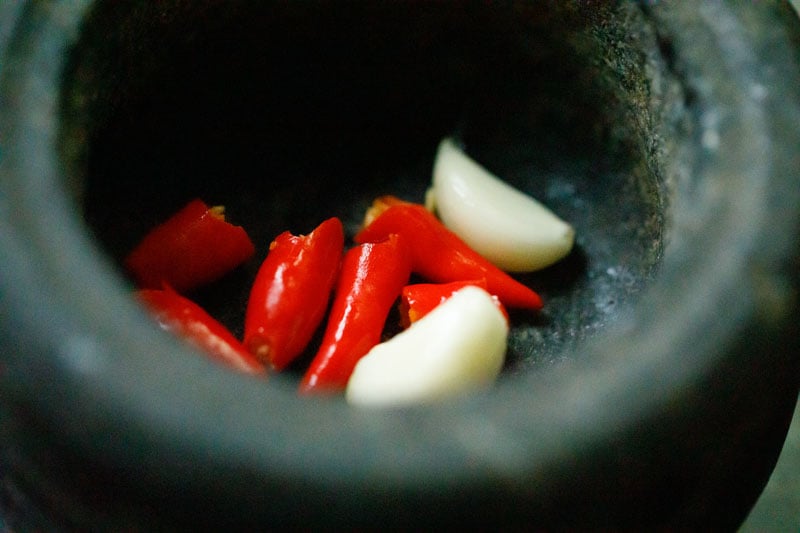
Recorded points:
288,114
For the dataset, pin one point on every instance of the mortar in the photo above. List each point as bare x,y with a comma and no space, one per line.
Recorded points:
653,390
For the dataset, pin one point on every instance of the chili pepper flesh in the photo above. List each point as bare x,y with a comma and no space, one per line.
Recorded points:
441,256
291,292
419,299
371,278
193,247
186,319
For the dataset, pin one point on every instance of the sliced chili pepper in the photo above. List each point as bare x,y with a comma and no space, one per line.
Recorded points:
419,299
194,246
370,281
291,292
438,254
186,319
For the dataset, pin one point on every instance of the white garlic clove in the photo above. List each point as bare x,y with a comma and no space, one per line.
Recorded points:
457,347
506,226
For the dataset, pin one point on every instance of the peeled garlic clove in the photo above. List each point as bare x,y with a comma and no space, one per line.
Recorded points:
457,347
505,225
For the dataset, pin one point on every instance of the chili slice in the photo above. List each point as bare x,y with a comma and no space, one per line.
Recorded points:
184,318
419,299
370,281
291,293
438,254
193,247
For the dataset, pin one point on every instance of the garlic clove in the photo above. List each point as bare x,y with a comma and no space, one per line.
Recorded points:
511,229
457,347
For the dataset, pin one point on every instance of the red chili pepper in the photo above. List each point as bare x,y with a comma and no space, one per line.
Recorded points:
419,299
438,254
186,319
370,281
291,292
194,246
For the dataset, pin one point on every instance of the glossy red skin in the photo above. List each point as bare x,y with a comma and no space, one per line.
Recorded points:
439,255
419,299
371,278
291,291
193,247
186,319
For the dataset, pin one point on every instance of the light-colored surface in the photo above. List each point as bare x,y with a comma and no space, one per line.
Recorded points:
778,508
458,347
506,226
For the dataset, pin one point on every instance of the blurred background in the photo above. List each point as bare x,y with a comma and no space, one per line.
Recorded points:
778,509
